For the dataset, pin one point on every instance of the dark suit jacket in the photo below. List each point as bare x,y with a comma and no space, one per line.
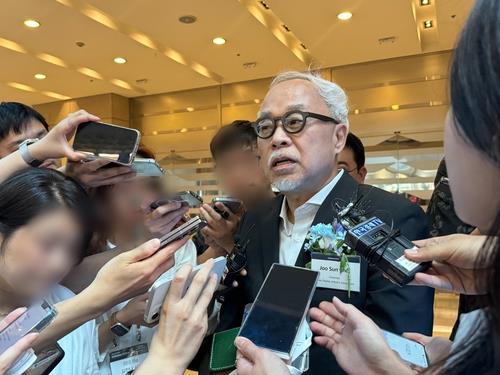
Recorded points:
391,307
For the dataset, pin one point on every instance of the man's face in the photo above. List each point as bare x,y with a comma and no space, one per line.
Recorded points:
346,162
34,129
302,162
241,176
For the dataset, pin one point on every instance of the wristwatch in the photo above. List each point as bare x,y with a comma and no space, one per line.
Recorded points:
26,155
118,329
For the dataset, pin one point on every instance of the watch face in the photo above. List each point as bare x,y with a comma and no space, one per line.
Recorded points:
119,330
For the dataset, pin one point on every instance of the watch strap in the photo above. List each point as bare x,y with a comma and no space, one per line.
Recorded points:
26,154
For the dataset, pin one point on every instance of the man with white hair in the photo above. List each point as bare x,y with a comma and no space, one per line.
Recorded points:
302,127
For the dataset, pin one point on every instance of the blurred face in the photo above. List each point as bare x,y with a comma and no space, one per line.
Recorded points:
41,253
127,200
34,129
474,180
346,162
241,176
303,162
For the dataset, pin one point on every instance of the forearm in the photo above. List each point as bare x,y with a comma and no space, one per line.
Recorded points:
154,365
106,337
71,314
11,164
83,274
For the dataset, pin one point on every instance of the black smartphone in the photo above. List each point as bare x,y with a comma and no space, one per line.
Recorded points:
106,141
46,361
280,308
233,204
188,228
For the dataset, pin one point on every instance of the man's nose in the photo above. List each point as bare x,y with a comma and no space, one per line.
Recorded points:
280,138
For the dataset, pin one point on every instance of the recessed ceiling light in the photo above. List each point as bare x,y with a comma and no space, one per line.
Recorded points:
428,24
40,76
183,130
256,101
155,132
356,111
204,128
32,24
219,41
395,107
190,109
187,19
425,2
344,16
120,60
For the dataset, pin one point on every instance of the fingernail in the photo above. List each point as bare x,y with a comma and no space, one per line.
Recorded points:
238,342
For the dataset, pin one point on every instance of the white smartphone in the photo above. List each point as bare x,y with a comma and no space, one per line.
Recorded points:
147,168
159,290
34,319
410,351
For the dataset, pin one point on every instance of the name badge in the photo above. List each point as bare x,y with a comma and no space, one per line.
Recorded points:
125,361
330,276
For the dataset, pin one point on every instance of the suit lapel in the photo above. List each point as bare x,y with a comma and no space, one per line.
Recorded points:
343,192
270,235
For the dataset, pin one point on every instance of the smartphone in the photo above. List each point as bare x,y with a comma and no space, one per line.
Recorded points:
46,361
280,308
187,198
34,319
233,204
147,167
188,228
107,141
410,351
159,290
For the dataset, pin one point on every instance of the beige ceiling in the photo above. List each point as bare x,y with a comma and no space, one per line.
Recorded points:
173,56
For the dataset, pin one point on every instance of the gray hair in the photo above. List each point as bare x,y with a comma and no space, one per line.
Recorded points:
333,95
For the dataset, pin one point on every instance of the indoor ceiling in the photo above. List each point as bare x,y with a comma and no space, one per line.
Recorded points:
164,55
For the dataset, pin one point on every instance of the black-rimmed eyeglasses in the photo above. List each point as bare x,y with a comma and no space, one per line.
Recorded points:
293,122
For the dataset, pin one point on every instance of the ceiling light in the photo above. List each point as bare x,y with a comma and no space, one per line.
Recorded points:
425,2
40,76
187,19
395,107
204,128
190,109
183,130
120,60
32,24
356,111
344,16
256,101
219,41
155,132
428,24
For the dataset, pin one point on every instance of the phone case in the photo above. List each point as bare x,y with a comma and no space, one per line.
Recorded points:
223,352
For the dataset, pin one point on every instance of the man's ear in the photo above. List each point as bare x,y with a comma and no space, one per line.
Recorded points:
362,172
340,132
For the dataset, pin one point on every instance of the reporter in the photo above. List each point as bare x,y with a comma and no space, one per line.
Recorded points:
20,348
183,323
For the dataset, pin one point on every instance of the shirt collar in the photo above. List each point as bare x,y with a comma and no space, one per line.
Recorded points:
316,200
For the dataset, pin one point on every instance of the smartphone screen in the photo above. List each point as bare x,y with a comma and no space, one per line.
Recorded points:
107,141
36,318
280,308
410,351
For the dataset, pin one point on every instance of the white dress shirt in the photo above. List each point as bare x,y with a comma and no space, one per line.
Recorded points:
293,235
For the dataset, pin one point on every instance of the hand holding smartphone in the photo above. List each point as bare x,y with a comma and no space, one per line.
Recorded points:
37,317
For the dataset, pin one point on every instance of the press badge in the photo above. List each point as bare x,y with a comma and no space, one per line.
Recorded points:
125,361
330,276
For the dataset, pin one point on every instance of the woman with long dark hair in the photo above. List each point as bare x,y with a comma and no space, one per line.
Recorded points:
460,263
